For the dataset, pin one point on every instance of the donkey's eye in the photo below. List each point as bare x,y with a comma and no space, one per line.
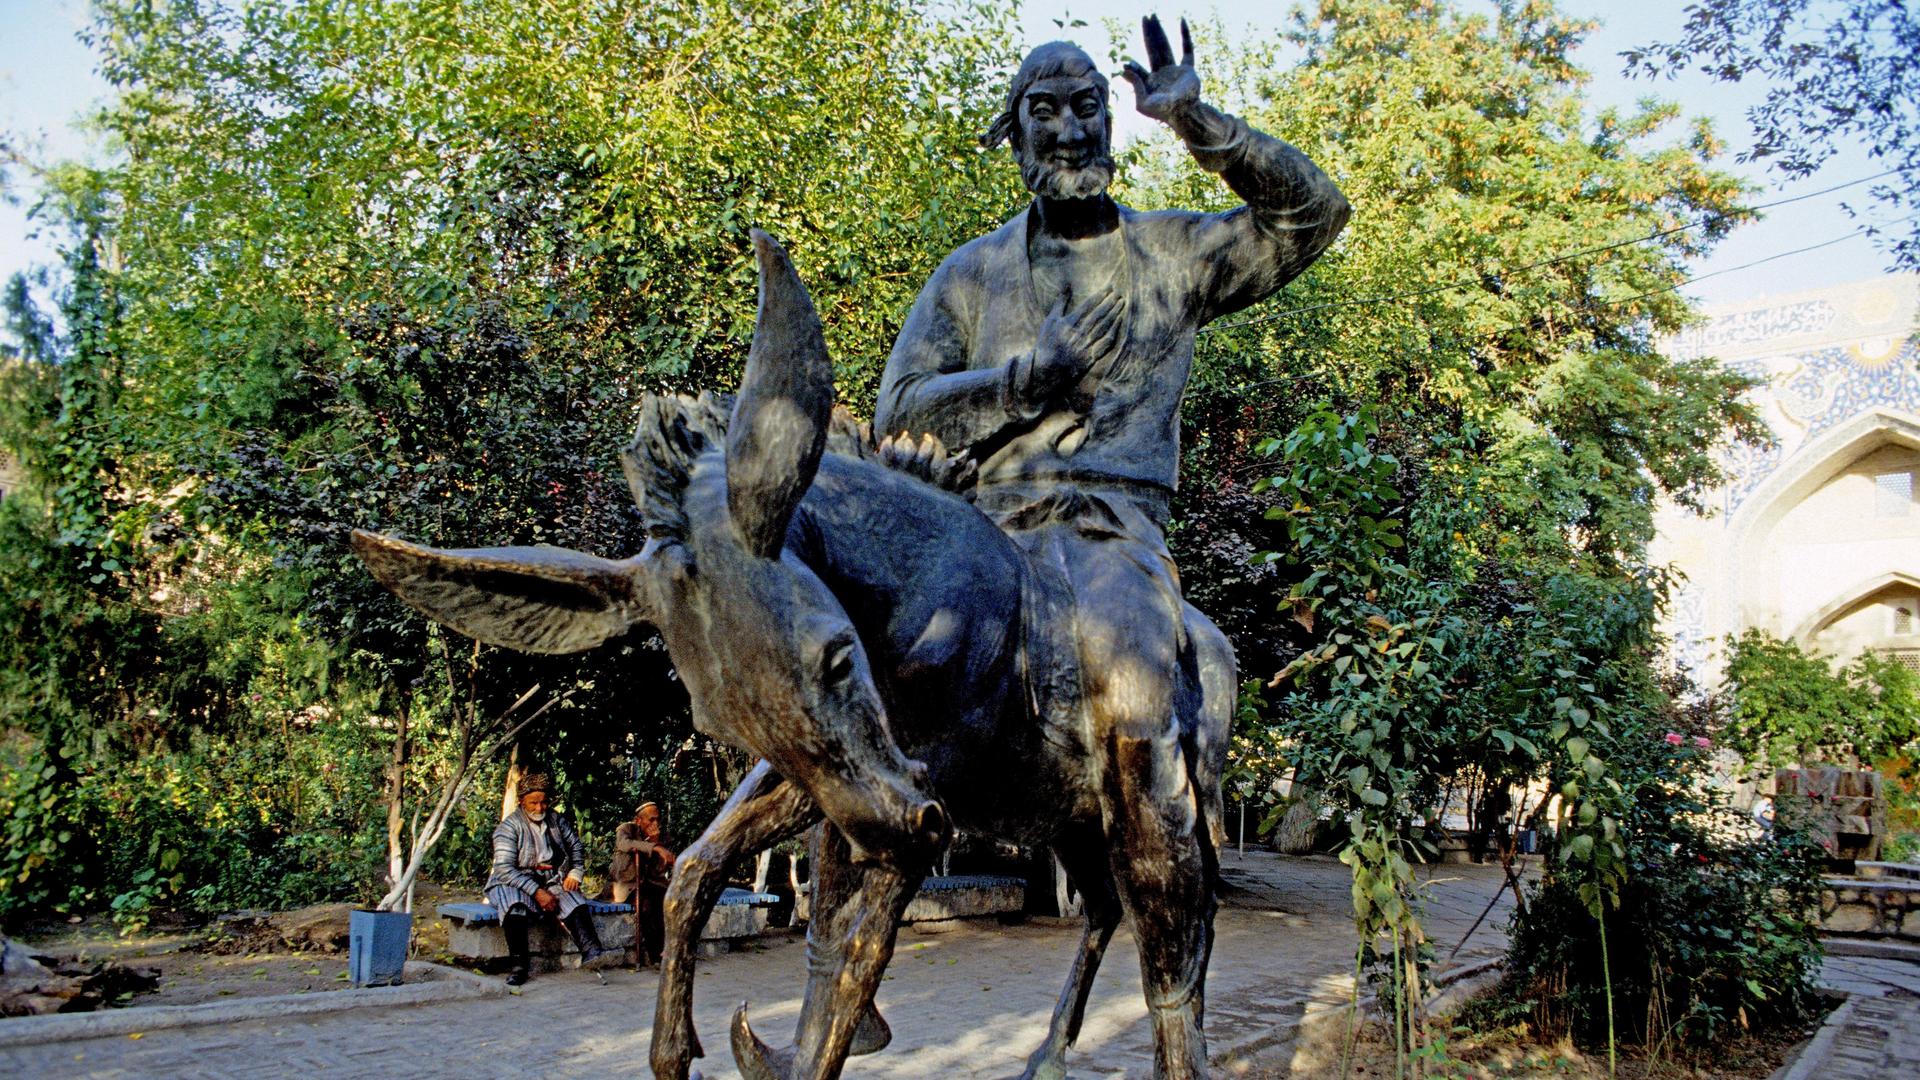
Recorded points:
839,665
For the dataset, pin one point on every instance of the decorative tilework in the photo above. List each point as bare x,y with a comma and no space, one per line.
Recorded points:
1689,644
1819,390
1747,327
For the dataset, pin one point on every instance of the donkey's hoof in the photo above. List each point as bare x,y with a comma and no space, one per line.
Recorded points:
1042,1066
755,1059
872,1035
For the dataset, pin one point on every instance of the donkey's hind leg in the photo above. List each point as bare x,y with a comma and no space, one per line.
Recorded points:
1083,853
1214,674
763,810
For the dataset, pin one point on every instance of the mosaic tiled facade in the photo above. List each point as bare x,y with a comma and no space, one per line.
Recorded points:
1796,527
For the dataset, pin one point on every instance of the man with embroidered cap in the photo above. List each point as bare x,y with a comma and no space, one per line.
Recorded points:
537,864
1054,352
642,862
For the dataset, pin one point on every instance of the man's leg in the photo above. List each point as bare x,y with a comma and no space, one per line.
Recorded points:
593,955
515,924
650,929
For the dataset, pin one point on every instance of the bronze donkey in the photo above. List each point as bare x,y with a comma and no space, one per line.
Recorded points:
879,644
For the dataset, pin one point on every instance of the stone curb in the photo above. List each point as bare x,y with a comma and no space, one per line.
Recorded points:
1816,1057
1871,948
441,984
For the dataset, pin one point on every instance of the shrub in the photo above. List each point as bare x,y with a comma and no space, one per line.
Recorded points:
1715,926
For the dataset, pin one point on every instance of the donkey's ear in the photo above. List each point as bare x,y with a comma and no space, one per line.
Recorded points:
779,425
535,599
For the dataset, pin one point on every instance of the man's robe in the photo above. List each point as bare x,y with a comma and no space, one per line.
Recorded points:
517,861
955,368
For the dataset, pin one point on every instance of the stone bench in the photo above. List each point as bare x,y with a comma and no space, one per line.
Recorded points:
1888,871
945,899
473,929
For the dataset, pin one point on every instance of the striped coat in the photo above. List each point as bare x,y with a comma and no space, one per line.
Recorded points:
516,858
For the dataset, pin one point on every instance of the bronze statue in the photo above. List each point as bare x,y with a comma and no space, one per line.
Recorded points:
1022,656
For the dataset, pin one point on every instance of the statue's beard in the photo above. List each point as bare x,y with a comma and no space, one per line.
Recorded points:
1051,181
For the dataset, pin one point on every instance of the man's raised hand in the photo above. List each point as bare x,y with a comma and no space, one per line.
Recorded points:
1163,92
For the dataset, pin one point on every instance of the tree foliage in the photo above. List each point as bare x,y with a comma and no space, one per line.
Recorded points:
409,267
1789,707
1835,70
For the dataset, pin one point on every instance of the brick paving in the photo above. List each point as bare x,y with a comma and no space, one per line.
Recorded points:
970,1002
1877,1035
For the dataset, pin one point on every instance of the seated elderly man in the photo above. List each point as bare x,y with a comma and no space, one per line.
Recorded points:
642,861
537,861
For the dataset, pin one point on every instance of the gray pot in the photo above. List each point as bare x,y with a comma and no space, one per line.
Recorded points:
377,943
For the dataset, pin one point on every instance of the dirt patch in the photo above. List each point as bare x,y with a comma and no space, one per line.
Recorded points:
241,955
1516,1052
193,978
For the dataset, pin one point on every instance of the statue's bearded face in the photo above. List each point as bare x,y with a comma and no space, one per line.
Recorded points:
1062,143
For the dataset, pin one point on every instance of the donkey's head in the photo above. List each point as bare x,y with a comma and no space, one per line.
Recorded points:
768,654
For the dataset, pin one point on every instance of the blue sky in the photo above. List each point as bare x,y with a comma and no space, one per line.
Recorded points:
47,79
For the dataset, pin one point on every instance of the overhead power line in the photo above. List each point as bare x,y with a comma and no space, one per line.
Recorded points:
1556,260
1595,305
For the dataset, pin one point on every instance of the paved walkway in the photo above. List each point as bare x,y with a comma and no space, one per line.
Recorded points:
971,1002
1876,1034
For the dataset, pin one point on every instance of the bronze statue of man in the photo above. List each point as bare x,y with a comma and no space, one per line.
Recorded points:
1054,351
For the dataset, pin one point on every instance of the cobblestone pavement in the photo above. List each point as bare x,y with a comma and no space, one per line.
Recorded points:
969,1002
1878,1036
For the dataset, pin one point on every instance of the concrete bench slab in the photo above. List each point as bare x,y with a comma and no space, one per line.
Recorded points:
473,929
949,897
966,896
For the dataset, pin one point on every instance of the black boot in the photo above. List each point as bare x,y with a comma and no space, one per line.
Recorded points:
593,955
515,925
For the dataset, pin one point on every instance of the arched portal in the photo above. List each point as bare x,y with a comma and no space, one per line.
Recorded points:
1881,613
1830,542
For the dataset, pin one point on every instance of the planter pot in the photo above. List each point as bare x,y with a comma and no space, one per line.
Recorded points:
377,944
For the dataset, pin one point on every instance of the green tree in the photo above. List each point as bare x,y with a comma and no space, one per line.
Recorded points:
1789,707
1836,71
410,266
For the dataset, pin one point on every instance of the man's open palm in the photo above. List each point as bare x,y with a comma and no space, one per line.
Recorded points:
1168,87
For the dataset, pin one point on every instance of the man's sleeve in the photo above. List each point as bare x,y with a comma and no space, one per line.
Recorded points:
506,860
1293,212
576,850
928,385
627,838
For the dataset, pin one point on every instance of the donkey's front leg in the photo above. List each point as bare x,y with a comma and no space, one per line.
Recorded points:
762,811
848,946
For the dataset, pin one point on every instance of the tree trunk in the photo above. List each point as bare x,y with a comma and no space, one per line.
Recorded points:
396,799
1298,825
510,795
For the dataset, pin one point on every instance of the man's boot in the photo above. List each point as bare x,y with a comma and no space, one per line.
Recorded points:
514,924
593,955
